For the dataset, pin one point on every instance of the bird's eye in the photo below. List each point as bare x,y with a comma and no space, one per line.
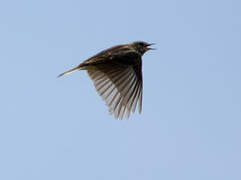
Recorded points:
142,44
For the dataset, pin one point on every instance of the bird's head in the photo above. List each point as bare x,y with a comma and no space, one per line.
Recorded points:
142,46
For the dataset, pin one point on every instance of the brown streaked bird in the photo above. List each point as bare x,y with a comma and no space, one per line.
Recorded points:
117,76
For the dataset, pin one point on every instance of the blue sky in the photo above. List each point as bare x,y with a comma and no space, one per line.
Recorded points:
59,128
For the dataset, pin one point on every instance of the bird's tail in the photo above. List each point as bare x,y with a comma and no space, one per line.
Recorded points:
70,71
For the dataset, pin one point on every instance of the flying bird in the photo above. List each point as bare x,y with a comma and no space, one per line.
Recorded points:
117,76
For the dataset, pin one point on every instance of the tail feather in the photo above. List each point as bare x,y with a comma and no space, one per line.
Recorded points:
69,71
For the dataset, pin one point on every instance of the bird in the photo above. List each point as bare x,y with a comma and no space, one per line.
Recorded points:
117,76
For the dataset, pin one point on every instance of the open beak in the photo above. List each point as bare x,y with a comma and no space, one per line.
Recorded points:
149,48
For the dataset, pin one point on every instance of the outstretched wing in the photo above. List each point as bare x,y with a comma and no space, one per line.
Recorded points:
119,85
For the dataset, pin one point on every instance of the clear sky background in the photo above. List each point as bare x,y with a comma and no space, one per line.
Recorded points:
59,128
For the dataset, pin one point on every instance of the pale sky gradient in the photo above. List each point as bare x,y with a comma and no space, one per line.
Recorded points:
59,128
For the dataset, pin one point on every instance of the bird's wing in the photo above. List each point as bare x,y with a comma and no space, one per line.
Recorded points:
119,86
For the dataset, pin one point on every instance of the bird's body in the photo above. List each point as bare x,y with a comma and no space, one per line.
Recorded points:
117,76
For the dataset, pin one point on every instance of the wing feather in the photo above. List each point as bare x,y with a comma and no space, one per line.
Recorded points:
119,86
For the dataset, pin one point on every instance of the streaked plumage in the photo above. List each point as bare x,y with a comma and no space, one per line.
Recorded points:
117,76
